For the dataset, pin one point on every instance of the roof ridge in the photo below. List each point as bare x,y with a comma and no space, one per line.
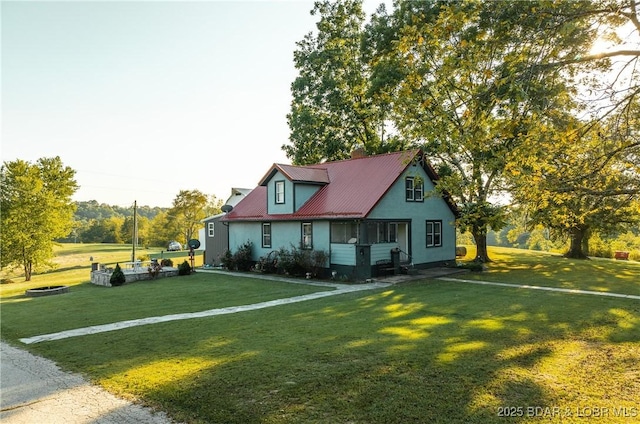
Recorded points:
397,152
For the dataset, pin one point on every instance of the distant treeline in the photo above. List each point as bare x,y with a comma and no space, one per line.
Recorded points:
101,223
91,209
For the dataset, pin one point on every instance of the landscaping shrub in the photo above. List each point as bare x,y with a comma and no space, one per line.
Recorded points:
242,257
184,268
268,264
296,261
319,259
284,261
117,278
227,260
167,262
239,261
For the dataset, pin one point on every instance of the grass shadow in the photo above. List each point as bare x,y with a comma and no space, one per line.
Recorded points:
428,352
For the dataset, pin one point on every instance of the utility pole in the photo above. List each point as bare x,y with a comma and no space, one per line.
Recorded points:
134,236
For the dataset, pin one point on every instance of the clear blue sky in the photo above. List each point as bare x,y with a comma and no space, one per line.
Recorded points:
147,98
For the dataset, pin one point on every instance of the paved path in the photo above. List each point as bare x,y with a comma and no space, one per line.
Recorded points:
340,289
553,289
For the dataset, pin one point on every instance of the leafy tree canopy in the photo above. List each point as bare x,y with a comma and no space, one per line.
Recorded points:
36,208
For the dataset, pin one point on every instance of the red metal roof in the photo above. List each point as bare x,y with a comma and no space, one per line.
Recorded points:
352,188
308,174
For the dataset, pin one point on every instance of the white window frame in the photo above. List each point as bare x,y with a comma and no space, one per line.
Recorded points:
266,234
307,236
414,192
279,192
211,229
409,190
433,233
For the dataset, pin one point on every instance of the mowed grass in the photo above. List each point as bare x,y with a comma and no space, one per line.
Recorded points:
72,264
427,351
553,270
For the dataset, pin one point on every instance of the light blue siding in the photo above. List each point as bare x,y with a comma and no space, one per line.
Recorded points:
284,234
303,192
241,232
343,254
321,235
280,208
381,251
394,206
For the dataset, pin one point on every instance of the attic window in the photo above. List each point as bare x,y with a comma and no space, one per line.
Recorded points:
279,192
414,189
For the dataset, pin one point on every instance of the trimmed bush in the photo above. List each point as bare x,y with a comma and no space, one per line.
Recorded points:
117,278
227,260
268,264
184,268
297,262
167,262
240,260
242,257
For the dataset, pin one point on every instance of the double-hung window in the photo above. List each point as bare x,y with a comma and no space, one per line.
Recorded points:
307,235
414,189
266,234
210,229
434,233
279,192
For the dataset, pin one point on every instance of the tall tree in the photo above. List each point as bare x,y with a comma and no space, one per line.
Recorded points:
613,76
187,212
36,209
579,183
331,112
470,90
581,176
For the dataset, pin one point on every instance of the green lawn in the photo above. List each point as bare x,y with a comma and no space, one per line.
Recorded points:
428,351
552,270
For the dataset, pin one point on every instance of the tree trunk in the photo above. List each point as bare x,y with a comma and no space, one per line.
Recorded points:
482,256
28,267
575,249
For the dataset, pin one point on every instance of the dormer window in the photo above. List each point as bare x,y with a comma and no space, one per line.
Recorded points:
279,192
414,189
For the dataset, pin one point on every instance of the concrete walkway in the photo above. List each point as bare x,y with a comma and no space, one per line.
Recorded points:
552,289
339,289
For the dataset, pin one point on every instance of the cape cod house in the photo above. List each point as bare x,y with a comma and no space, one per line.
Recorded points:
367,213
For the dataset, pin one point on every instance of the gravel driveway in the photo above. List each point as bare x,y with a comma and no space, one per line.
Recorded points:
35,390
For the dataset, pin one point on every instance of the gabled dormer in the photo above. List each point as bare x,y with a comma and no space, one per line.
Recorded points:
289,187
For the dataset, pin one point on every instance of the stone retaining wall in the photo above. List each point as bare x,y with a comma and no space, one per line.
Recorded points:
101,278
